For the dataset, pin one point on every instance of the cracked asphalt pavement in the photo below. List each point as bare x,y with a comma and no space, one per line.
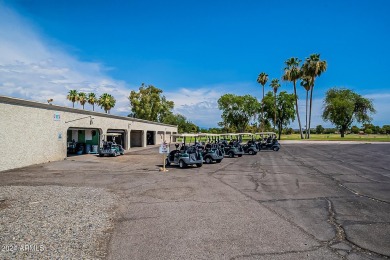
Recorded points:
307,201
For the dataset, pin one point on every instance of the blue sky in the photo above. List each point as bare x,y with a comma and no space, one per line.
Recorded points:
194,50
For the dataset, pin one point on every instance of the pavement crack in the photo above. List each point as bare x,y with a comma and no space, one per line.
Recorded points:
254,181
298,160
341,235
276,253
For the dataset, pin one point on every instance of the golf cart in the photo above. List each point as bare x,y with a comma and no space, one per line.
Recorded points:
268,141
111,148
211,151
232,148
250,147
185,155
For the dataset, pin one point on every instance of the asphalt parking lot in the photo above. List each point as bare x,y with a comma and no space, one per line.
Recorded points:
307,201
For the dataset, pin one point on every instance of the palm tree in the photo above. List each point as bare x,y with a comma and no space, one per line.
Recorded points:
292,73
106,101
313,67
262,79
72,96
82,98
92,100
306,84
275,85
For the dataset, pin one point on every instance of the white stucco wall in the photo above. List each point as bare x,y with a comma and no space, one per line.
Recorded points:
29,133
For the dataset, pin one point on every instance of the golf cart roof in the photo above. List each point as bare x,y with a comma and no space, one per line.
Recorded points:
244,133
184,135
228,134
207,134
113,134
266,133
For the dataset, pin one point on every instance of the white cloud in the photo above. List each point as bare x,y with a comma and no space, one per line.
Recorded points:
31,68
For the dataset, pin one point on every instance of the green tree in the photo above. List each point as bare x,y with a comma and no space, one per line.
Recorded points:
92,100
262,80
386,129
275,86
312,68
72,96
237,111
292,73
284,109
150,104
82,98
343,106
183,125
319,129
368,131
355,129
106,101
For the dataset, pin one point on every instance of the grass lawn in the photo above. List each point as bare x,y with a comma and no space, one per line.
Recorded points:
337,137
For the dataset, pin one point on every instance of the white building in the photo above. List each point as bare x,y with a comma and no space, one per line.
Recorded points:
33,132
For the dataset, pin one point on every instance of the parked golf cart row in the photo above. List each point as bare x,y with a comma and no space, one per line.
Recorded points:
194,150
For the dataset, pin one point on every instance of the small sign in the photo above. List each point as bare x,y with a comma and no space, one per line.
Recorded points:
164,148
57,116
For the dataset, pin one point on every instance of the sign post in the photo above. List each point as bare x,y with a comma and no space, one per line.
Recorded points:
164,149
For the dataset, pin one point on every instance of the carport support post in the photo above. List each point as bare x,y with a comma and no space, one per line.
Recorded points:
163,162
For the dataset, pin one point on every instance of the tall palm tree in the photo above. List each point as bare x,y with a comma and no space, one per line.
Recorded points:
275,85
313,67
82,98
262,79
106,101
292,73
307,85
72,96
92,100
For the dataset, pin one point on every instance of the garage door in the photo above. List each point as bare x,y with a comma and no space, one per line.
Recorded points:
136,138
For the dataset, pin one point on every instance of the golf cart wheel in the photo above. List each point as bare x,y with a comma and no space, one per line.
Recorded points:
182,164
208,160
219,160
167,162
240,155
250,152
276,148
199,164
231,154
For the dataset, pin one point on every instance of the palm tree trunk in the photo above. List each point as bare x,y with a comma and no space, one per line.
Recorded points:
73,104
307,99
296,108
262,112
311,103
93,107
275,114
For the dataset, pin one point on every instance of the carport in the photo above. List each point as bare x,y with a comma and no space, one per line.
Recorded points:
150,137
82,140
119,139
136,138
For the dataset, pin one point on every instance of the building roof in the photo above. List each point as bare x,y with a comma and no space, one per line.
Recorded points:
29,103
